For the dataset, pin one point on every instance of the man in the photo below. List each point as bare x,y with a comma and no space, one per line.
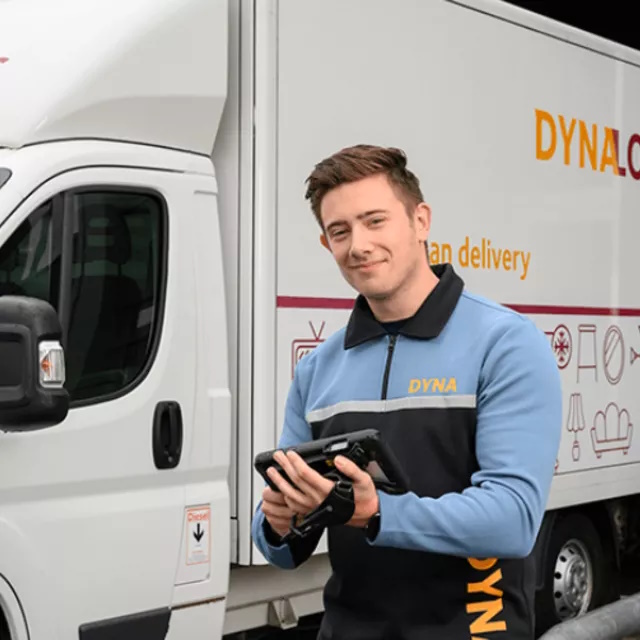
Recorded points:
464,391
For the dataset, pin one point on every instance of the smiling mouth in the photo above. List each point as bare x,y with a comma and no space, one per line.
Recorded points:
367,266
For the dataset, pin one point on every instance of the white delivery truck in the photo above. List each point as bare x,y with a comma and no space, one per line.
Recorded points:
161,275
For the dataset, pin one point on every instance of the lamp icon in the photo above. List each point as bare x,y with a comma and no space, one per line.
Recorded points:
575,423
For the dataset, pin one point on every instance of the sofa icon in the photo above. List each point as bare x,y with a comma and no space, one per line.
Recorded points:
611,430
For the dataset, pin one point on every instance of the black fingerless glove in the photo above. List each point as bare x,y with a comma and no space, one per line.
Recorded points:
337,508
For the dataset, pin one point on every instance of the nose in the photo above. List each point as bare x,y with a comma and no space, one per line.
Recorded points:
360,242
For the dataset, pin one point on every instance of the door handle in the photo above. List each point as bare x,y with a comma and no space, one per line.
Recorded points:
167,435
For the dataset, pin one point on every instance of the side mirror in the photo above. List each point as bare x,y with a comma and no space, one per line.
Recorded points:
32,371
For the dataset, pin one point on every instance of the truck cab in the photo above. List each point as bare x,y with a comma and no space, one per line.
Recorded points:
115,506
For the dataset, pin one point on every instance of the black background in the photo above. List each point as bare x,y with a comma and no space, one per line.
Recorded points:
616,20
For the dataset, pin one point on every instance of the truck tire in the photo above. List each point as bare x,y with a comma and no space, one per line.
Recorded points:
576,572
5,634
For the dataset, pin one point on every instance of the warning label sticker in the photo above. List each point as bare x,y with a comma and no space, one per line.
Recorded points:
198,529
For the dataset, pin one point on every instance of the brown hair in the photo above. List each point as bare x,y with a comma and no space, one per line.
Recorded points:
358,162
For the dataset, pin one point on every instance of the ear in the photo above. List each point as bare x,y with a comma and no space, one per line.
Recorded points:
422,221
324,242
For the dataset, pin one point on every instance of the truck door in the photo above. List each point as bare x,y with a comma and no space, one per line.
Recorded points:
94,509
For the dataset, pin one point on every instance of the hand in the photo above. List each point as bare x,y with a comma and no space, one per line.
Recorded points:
307,490
276,511
365,494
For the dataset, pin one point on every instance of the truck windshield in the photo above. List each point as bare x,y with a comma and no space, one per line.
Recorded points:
5,174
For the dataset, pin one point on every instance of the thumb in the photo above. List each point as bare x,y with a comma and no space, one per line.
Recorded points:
350,469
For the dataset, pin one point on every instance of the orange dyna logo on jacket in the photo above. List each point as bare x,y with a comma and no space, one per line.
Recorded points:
490,608
432,385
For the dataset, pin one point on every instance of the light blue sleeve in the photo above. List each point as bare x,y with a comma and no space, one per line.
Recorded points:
295,431
519,425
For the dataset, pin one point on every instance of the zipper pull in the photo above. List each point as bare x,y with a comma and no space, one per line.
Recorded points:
387,366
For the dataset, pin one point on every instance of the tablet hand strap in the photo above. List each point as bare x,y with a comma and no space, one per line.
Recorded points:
337,508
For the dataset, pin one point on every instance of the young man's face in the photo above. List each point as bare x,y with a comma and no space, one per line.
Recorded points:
377,245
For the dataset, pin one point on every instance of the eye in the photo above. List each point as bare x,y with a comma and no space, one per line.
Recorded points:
376,221
338,233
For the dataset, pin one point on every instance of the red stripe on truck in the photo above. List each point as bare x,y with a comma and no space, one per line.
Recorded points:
541,309
296,302
305,302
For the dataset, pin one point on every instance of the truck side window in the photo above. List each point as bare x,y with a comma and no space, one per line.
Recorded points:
30,259
116,283
116,280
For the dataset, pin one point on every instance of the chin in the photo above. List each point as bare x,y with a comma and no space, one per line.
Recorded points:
374,293
370,287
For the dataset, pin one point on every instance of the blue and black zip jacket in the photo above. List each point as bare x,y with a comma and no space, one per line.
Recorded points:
467,394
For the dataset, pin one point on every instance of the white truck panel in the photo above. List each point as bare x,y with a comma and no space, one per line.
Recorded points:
29,172
84,70
458,89
226,158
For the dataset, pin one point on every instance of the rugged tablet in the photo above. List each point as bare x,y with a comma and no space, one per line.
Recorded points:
364,447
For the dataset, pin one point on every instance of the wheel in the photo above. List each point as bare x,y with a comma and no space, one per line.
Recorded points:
577,572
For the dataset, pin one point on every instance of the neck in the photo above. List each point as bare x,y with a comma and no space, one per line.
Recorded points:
404,302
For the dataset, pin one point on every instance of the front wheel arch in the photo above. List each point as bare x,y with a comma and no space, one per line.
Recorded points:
13,625
576,568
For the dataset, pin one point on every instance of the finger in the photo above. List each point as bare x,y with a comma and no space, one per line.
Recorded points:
309,477
295,473
281,458
351,470
298,508
280,525
287,490
275,497
276,510
278,522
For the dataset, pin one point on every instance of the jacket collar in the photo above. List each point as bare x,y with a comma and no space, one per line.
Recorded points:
426,323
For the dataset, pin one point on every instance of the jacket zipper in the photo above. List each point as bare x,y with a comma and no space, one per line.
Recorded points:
387,368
